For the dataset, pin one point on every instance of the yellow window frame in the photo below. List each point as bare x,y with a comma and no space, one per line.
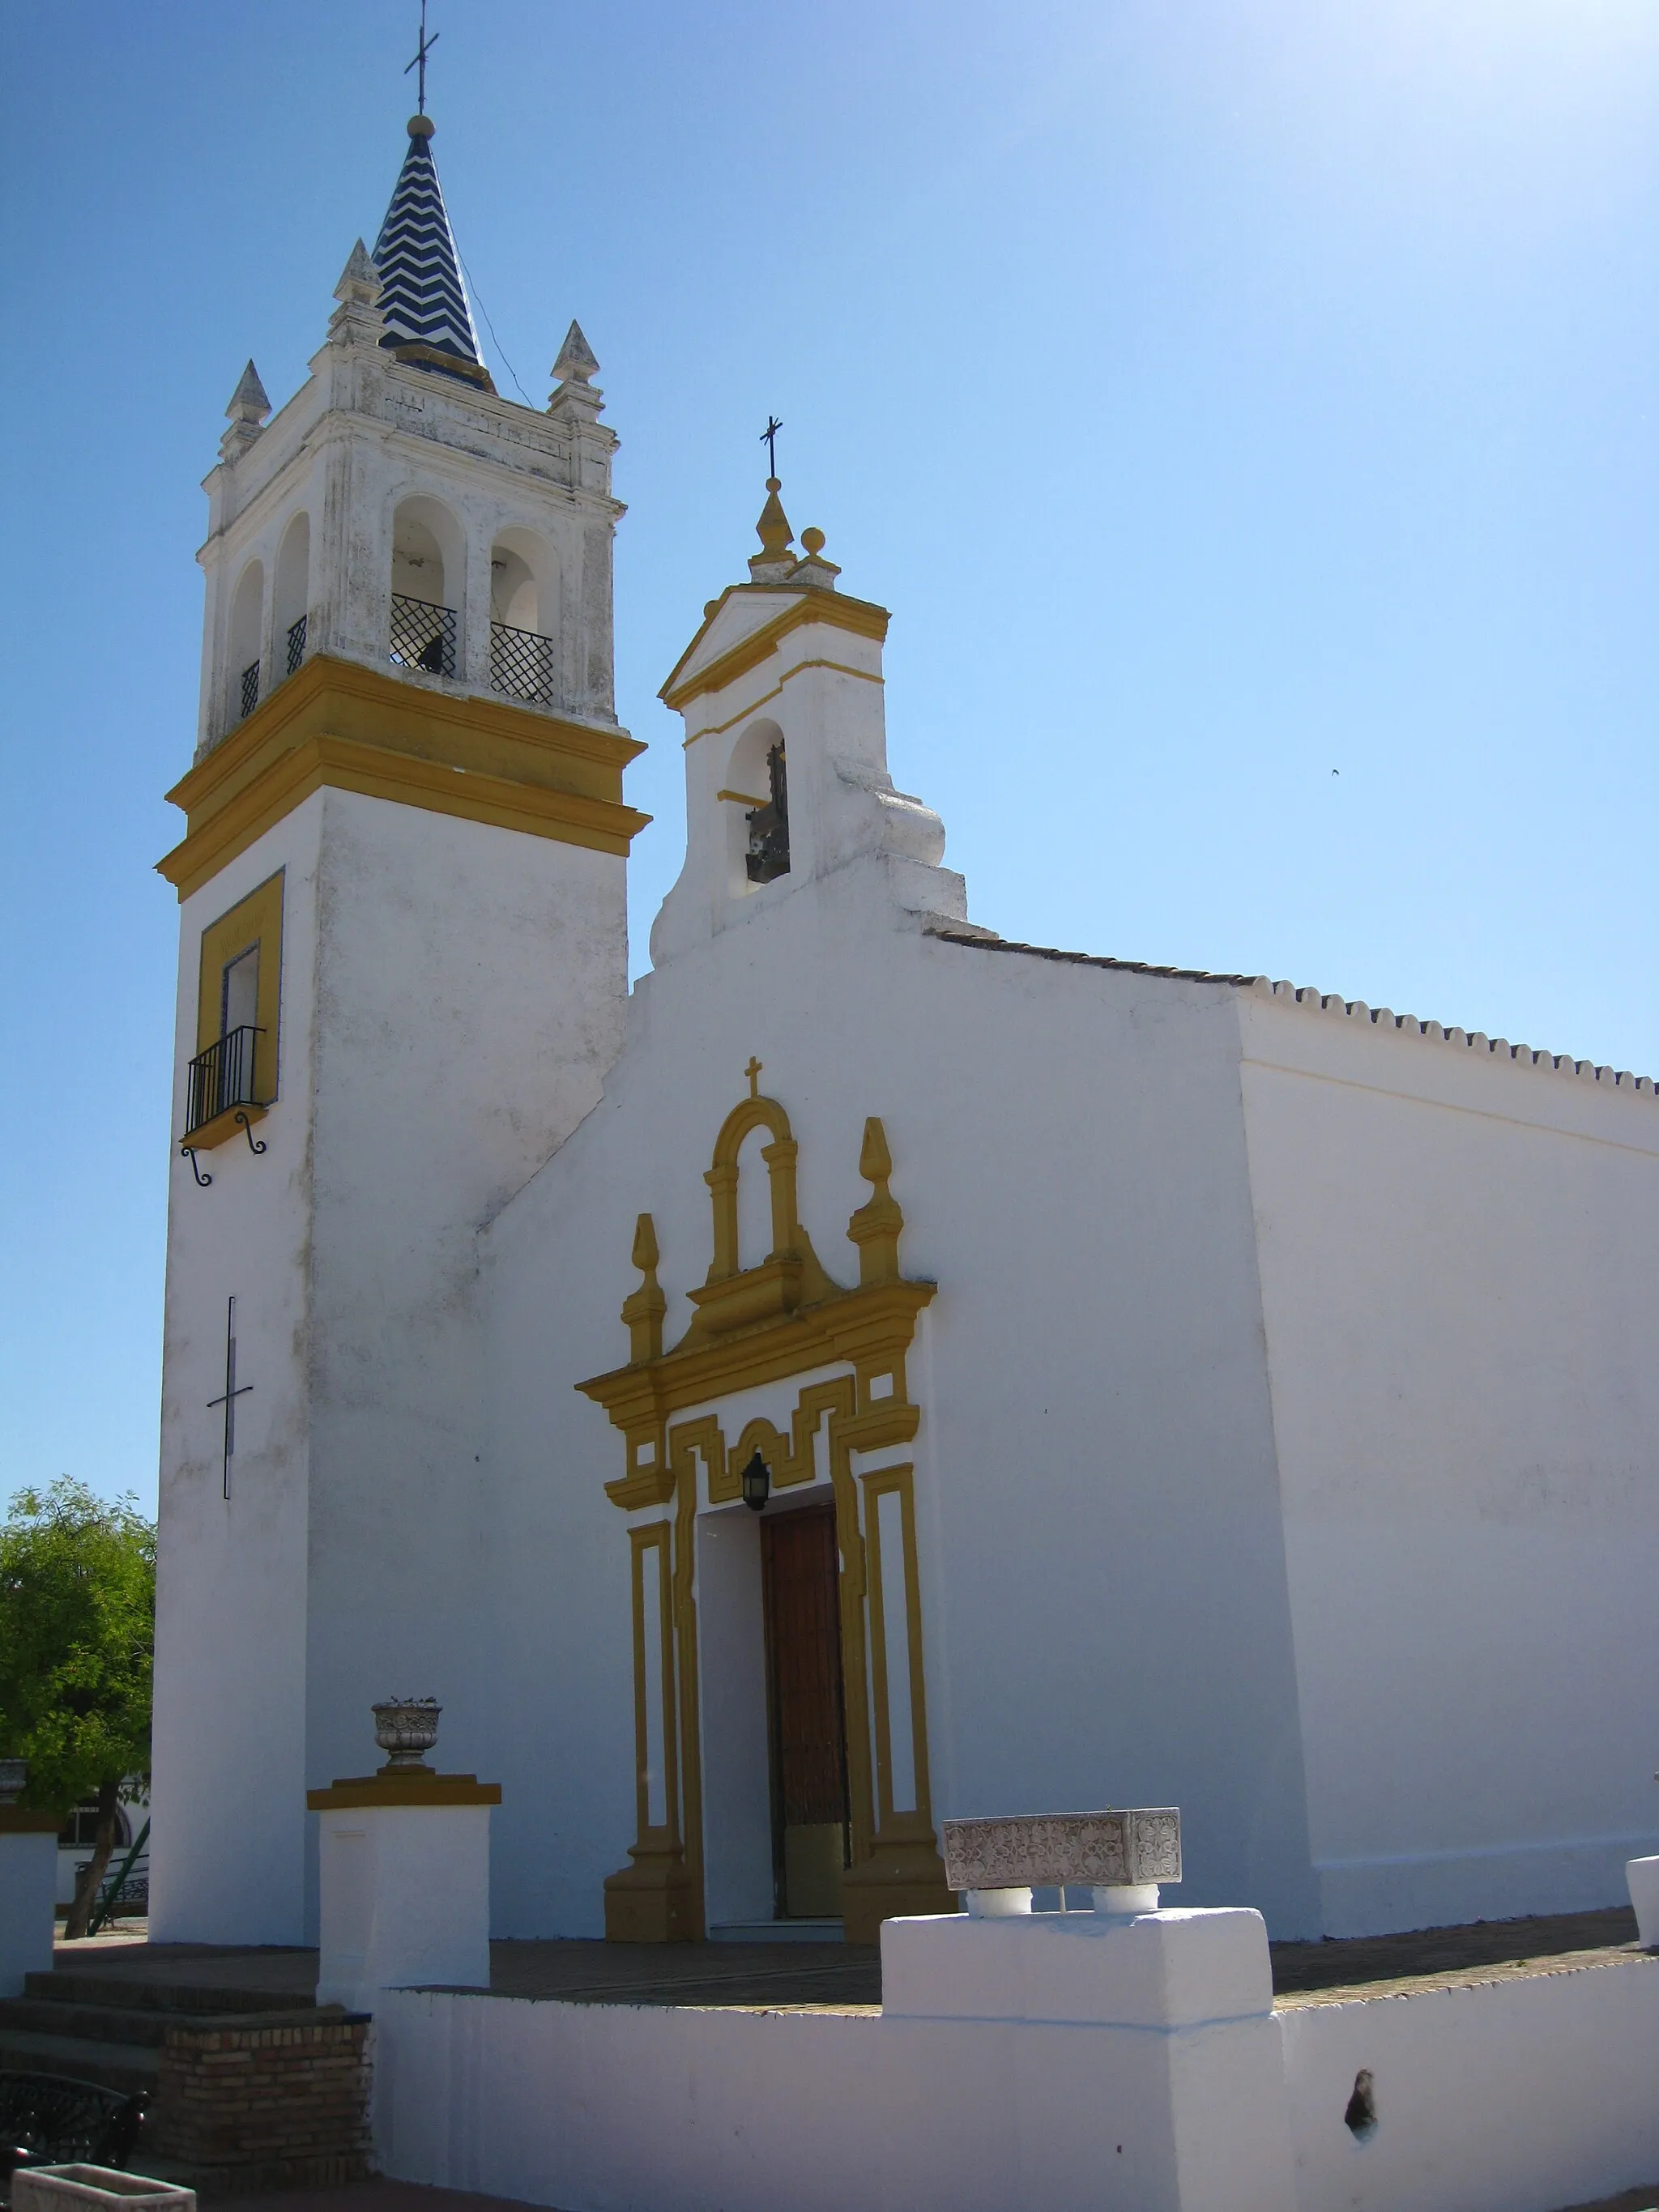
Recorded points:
255,920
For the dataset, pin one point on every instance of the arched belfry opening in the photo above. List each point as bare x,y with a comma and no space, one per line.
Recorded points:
523,617
427,571
292,593
247,625
758,785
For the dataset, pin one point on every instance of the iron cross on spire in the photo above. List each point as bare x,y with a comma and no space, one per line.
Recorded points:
231,1393
770,439
424,49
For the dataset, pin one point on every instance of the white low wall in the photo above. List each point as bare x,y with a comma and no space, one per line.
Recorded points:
1528,2093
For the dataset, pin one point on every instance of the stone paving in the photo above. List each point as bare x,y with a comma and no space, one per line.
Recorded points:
843,1976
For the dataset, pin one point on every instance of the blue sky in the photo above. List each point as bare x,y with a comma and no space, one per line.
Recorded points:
1220,395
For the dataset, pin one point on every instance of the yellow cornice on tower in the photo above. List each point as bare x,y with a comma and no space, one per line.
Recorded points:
863,618
339,724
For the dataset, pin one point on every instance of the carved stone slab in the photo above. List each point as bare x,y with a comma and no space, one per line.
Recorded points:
1041,1850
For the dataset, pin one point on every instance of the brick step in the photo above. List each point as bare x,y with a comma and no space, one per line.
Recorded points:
83,1985
96,2023
125,2066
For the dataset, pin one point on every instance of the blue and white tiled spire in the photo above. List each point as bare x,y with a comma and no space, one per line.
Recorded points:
428,320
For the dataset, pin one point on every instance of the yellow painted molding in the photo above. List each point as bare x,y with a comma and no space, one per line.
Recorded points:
403,1785
862,617
766,1323
852,1324
339,724
29,1821
754,705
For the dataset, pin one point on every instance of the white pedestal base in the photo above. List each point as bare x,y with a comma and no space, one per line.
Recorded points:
1142,2054
28,1891
1643,1876
405,1899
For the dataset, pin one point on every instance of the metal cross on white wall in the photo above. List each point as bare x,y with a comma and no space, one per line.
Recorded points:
231,1393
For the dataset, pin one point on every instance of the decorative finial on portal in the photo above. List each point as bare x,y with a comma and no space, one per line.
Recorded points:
643,1310
753,1071
876,1226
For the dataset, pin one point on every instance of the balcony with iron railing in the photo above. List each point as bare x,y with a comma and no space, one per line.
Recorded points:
296,644
422,635
248,689
222,1088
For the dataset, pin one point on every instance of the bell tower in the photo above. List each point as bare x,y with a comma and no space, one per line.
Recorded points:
403,973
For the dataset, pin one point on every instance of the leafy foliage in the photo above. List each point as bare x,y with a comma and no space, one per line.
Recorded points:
77,1635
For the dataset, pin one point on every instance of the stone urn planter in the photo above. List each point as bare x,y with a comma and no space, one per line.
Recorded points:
406,1729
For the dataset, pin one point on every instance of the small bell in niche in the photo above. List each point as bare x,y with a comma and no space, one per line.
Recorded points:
767,857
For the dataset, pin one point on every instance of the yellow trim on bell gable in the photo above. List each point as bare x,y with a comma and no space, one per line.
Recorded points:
863,618
714,729
349,728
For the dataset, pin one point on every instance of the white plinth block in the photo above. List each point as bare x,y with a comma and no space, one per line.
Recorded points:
1643,1876
1142,2051
28,1891
404,1871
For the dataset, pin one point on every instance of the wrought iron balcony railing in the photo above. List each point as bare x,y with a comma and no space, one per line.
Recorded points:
296,644
521,663
249,691
221,1078
422,635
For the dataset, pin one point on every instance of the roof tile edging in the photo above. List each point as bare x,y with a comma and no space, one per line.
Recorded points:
1584,1071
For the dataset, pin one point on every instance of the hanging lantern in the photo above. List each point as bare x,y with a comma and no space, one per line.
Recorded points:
757,1482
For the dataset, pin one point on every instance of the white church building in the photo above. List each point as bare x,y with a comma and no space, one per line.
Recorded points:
870,1372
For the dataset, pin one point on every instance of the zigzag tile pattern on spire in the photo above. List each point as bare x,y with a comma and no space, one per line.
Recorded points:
428,320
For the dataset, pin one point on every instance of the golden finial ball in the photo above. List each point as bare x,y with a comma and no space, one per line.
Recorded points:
812,539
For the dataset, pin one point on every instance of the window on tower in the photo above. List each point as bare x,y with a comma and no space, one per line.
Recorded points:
239,999
233,1072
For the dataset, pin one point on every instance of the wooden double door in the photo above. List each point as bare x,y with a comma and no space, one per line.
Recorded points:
800,1567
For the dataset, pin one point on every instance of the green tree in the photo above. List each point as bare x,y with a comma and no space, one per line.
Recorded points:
77,1640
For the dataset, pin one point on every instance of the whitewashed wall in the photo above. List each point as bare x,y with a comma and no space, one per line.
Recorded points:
1456,1265
1529,2095
451,993
1105,1610
227,1839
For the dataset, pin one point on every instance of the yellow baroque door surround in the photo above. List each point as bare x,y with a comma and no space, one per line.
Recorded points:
779,1321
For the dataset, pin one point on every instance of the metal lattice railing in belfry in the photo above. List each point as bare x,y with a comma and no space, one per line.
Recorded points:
296,644
422,635
249,687
521,663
